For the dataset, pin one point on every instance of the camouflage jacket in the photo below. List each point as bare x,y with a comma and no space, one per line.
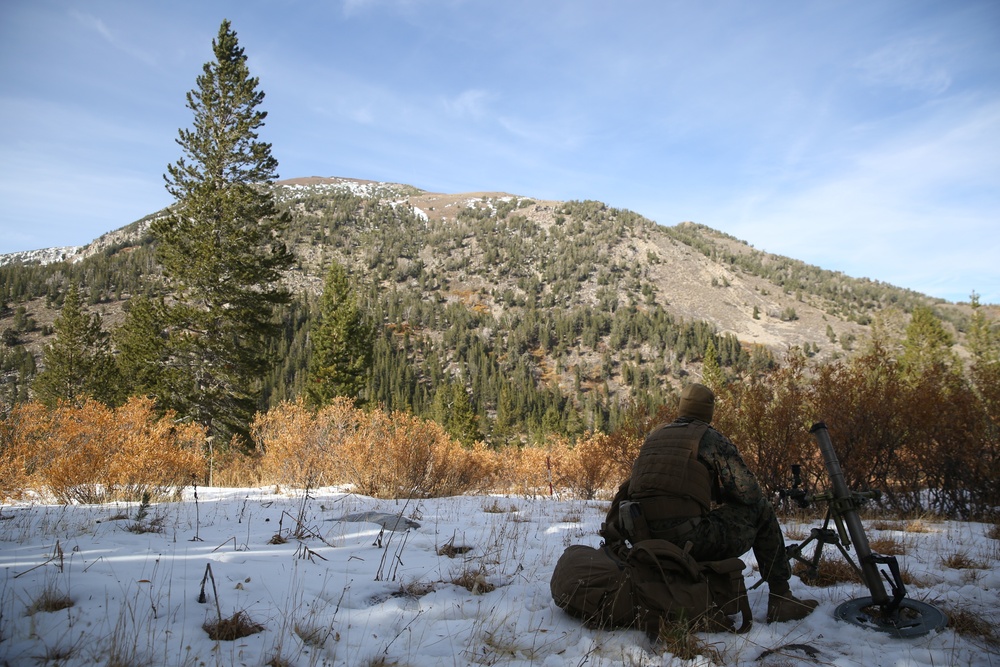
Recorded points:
733,481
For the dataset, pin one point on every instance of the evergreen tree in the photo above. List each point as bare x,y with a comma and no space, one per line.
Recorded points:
927,346
141,345
711,372
463,424
984,344
982,340
506,420
342,343
78,362
219,249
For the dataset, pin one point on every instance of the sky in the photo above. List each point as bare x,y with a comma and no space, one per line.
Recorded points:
861,137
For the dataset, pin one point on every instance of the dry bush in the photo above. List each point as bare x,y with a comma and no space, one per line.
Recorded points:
384,455
764,417
585,467
397,455
297,446
456,469
527,470
588,466
93,453
20,456
233,467
623,445
152,456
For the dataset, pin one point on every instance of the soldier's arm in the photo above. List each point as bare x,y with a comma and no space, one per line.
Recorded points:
736,484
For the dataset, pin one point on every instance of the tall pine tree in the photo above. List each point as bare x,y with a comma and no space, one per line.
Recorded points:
220,250
342,343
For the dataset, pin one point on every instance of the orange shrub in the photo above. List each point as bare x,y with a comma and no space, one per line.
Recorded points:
398,455
91,453
533,470
589,466
27,424
298,446
381,454
232,466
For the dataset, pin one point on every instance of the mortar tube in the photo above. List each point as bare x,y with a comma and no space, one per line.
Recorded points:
869,570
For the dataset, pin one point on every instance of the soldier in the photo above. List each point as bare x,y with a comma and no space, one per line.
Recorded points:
681,469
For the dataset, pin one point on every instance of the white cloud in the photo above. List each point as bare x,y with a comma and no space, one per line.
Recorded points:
470,103
98,26
909,64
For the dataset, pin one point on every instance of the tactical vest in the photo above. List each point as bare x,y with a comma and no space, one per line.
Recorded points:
667,478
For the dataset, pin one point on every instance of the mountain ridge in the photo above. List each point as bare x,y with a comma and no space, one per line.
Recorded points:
577,294
728,304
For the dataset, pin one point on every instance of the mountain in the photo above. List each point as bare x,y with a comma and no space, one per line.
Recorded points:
489,243
482,289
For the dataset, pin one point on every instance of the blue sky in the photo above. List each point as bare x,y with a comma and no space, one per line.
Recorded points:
862,137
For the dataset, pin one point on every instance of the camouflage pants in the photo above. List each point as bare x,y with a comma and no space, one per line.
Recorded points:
731,530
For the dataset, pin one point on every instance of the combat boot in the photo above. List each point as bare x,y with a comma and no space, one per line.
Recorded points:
786,607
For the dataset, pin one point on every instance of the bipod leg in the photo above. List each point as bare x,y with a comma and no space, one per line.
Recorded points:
822,536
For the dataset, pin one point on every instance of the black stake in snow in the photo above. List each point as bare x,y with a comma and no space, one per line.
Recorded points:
197,516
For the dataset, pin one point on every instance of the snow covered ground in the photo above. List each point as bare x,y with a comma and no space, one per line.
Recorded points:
350,592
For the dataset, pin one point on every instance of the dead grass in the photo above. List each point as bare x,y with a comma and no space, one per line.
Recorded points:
961,560
49,600
235,627
797,532
414,589
887,546
884,524
474,581
830,573
679,638
450,549
921,524
312,635
154,525
57,655
973,626
496,508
